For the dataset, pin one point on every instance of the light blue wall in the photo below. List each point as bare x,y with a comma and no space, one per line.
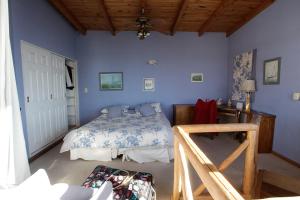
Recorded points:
37,22
177,57
275,33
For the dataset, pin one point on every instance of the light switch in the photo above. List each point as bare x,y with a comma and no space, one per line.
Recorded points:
296,96
86,90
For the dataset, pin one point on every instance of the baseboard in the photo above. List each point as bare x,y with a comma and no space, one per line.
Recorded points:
51,145
45,150
292,162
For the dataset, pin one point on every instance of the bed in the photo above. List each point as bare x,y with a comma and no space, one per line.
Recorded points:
136,137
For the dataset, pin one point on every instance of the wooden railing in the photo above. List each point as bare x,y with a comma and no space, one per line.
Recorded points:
185,150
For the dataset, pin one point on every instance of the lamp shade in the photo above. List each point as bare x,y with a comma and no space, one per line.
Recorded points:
248,86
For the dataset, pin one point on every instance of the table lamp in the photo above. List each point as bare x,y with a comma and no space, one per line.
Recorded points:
248,86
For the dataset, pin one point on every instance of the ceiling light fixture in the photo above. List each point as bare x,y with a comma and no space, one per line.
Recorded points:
143,25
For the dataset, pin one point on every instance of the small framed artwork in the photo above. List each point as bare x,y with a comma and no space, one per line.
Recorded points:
149,84
272,71
111,80
196,77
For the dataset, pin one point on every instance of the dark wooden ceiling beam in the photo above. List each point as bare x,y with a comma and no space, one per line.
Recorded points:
225,16
218,11
107,18
249,16
179,14
59,5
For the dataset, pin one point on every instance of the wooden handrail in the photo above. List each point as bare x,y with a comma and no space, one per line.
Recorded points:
216,184
220,128
185,150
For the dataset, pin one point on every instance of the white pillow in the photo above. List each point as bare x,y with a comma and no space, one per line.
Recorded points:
104,110
156,107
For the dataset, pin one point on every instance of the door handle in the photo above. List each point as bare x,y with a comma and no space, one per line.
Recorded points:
51,96
27,99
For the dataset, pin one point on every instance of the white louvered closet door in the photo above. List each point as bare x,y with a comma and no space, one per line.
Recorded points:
45,102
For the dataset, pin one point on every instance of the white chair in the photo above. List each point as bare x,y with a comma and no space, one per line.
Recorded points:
38,187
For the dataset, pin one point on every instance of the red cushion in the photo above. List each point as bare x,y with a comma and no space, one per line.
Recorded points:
205,112
212,112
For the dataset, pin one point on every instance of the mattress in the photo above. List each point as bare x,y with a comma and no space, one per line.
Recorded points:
143,139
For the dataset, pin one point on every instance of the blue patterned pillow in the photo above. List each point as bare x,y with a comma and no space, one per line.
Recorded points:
156,107
114,111
147,110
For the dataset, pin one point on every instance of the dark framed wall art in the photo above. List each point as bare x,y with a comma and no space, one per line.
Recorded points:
272,71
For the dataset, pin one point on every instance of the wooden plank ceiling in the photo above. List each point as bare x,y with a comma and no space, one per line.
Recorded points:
166,16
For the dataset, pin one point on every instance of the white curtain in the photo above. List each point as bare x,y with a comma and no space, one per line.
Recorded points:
14,166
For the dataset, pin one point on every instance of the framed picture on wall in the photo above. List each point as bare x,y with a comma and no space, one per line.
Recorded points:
111,80
149,84
272,71
196,77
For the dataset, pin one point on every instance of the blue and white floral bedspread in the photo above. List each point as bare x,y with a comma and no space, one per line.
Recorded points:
128,131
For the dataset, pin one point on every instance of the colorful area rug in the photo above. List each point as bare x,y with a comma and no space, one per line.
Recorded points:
129,185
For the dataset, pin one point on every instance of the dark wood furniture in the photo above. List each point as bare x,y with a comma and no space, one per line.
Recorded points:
228,114
266,129
183,114
270,184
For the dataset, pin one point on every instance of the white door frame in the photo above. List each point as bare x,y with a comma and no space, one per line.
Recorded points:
76,92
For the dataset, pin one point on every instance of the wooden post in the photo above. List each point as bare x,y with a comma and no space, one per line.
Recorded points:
250,165
177,171
185,177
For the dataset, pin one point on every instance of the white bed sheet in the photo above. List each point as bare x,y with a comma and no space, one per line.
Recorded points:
145,130
138,155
